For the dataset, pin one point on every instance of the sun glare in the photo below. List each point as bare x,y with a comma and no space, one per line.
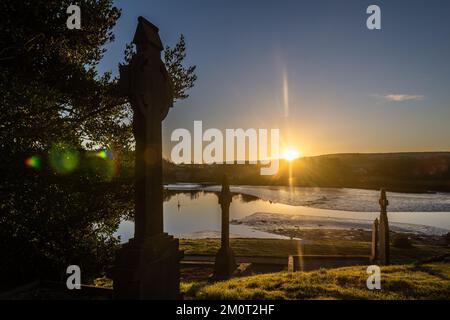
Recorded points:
290,154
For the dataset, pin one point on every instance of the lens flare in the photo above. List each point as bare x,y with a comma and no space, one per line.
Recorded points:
107,168
63,158
33,162
104,154
101,154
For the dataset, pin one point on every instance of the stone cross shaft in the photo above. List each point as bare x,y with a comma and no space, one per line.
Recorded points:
225,263
225,199
384,230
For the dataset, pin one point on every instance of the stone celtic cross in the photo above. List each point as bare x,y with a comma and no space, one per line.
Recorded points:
225,263
147,267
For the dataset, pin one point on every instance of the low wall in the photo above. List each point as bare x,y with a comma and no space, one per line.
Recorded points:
313,262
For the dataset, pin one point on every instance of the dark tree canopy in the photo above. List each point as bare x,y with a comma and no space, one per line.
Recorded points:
183,78
63,208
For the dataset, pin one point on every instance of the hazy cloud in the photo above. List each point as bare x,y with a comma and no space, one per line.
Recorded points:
401,97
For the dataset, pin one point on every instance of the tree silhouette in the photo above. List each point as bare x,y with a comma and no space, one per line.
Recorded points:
64,207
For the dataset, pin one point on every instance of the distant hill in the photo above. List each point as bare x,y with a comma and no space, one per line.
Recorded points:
408,172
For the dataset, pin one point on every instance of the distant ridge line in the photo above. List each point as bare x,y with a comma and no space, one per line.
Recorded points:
382,153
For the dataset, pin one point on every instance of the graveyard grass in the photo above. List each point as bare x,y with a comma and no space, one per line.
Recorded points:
402,282
406,279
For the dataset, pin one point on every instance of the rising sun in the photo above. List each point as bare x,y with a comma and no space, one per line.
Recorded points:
290,154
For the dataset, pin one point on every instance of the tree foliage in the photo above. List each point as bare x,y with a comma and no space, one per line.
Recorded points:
48,83
55,107
183,78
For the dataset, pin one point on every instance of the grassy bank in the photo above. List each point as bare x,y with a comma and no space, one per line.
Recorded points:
411,281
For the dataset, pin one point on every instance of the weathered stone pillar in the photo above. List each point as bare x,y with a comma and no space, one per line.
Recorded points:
225,263
147,267
374,244
384,230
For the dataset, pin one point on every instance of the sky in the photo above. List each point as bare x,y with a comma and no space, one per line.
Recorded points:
310,68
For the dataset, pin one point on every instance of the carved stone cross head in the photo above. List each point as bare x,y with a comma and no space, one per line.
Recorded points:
225,195
383,200
145,80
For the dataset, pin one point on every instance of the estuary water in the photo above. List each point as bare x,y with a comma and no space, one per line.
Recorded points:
193,211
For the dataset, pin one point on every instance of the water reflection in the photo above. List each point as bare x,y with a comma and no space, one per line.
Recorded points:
196,214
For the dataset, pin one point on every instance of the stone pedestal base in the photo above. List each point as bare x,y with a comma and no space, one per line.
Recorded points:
149,269
225,264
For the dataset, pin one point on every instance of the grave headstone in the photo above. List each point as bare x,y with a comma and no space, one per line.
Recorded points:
295,263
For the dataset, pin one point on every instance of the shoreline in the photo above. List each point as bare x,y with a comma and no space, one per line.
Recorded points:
272,222
201,186
340,199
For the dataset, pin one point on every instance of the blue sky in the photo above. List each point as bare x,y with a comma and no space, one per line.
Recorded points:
350,89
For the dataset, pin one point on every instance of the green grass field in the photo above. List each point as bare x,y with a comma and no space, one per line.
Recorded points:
411,281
